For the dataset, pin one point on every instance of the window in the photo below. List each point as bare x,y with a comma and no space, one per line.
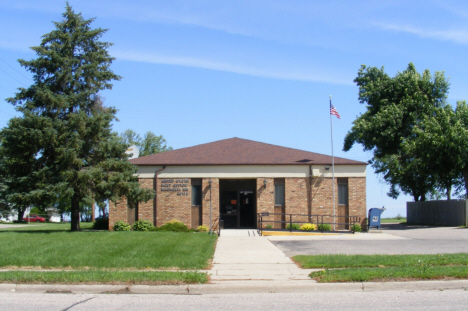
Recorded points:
343,191
196,192
279,191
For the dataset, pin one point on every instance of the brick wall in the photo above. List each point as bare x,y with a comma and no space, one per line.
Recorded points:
266,197
173,206
357,199
117,212
296,195
206,200
145,209
322,197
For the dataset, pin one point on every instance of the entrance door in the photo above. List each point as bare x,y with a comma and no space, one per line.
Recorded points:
238,203
248,215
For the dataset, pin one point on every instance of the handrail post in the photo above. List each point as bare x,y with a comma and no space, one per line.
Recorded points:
261,224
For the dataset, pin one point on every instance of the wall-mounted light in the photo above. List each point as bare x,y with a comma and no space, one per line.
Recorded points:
327,168
264,183
209,183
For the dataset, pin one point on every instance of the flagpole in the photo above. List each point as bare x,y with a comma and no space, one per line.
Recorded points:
333,167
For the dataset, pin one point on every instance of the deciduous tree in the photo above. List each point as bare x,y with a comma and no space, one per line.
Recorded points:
149,144
395,105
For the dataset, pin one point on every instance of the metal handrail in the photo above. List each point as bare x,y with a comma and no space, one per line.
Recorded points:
319,220
216,226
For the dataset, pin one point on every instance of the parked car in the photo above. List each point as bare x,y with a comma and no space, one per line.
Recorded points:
34,218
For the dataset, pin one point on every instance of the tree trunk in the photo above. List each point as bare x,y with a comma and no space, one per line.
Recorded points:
75,212
449,193
21,214
92,212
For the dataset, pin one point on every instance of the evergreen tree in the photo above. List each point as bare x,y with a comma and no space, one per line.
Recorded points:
63,146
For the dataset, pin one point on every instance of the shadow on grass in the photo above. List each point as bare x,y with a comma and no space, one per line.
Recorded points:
45,228
47,231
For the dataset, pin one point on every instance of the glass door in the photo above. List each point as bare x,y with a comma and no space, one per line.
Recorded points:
229,209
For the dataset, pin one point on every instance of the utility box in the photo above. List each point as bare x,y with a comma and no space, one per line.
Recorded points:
374,217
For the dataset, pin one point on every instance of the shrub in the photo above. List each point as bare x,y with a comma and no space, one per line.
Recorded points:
174,225
324,227
269,226
35,211
203,229
293,226
121,226
356,228
308,227
101,224
174,221
142,225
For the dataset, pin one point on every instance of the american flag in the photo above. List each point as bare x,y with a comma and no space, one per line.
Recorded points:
333,111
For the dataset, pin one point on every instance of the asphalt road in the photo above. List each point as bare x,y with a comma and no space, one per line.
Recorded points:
412,240
395,300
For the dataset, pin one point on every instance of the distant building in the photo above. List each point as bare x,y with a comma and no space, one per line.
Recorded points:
247,178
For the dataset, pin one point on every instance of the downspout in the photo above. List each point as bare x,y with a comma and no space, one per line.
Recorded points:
155,188
309,193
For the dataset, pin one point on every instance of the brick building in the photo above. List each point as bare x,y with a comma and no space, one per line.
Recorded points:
241,178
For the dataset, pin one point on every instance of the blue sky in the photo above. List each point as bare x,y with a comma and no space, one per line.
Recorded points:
199,71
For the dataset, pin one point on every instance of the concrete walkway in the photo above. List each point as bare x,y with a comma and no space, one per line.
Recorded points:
242,255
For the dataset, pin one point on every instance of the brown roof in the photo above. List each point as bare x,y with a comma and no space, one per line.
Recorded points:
237,151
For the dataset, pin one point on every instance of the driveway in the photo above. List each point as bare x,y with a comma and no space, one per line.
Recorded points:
394,239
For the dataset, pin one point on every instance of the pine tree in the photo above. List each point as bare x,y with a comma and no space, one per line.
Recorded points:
63,147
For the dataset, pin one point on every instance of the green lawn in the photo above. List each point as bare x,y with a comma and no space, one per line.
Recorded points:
356,261
422,272
99,277
123,250
359,268
102,256
392,220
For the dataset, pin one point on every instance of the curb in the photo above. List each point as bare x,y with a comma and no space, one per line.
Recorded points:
240,287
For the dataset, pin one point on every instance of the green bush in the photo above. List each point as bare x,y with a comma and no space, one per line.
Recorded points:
174,225
356,228
324,227
142,225
308,227
121,226
269,226
293,226
101,224
203,228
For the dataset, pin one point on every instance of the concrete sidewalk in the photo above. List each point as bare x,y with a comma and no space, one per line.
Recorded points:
243,255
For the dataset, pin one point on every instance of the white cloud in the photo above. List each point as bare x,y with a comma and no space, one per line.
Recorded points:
457,36
227,67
